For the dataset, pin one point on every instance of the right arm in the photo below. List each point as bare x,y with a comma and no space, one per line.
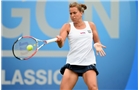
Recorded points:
97,44
62,35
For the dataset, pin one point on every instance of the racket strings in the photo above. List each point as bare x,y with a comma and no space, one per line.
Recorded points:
20,48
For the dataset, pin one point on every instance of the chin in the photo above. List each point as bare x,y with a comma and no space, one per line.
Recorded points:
74,21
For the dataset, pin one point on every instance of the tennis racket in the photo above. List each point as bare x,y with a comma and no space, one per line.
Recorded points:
20,50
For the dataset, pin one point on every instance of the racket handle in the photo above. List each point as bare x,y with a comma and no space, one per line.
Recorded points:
52,40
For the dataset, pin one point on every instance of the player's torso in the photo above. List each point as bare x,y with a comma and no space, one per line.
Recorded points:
78,37
80,42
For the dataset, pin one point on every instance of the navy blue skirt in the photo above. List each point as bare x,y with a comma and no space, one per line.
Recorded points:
80,70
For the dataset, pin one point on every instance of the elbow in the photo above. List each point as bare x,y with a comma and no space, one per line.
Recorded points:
60,46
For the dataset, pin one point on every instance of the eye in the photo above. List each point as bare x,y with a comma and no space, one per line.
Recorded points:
70,13
74,12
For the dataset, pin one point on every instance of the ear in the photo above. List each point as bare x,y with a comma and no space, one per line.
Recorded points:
81,13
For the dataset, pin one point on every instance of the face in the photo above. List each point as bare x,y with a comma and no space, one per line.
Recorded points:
75,14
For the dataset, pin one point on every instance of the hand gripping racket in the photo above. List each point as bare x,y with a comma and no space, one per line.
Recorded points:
20,50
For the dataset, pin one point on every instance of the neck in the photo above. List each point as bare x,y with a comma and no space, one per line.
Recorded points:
79,23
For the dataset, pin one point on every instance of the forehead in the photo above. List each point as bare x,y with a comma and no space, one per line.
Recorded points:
73,9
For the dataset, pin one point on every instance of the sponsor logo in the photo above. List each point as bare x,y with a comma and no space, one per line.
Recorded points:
89,31
82,33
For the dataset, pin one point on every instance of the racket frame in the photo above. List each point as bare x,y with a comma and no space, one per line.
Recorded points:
38,47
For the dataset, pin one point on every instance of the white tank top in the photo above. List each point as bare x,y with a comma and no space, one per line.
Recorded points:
81,47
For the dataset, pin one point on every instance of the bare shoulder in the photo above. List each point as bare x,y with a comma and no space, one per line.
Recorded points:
66,27
91,24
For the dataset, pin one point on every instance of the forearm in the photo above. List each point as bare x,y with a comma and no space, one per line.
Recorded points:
62,36
60,41
60,44
96,39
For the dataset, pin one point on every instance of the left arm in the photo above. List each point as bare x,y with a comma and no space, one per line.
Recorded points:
95,33
97,44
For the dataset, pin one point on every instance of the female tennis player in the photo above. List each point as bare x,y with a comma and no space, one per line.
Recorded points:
81,59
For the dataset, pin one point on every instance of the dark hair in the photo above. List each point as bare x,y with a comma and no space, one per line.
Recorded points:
80,7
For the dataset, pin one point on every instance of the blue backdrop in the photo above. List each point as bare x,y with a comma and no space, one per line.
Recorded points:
117,25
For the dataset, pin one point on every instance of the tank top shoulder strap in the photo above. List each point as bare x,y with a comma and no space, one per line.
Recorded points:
87,25
71,24
86,22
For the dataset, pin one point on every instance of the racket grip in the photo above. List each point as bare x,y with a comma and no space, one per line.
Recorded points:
52,40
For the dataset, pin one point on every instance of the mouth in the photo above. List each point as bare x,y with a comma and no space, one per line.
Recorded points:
73,18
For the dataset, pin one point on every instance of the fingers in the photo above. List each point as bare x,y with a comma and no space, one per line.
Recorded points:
99,44
99,50
59,38
102,53
103,46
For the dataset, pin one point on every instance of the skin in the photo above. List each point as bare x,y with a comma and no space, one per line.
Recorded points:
70,78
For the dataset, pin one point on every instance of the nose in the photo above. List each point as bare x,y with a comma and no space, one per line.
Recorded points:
73,16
